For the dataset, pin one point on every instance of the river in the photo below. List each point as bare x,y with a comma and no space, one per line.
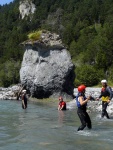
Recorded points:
43,127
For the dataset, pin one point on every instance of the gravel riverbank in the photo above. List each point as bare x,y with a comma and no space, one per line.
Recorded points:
9,93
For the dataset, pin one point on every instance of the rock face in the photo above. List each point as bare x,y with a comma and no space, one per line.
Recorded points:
26,8
47,68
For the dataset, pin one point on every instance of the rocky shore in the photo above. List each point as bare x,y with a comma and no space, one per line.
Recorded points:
9,93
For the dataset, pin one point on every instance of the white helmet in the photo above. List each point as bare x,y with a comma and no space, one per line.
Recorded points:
24,91
104,81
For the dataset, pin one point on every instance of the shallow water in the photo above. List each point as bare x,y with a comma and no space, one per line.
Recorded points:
43,127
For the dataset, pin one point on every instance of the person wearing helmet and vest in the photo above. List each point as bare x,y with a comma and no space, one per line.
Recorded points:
106,96
62,104
81,102
24,99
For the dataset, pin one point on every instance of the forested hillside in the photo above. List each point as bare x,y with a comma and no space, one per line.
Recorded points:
85,26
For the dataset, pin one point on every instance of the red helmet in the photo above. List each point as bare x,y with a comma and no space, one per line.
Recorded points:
81,88
60,98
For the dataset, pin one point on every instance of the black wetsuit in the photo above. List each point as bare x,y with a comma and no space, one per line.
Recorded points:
25,101
104,107
82,113
106,93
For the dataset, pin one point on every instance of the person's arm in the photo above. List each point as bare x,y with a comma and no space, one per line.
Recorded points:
59,107
99,96
83,102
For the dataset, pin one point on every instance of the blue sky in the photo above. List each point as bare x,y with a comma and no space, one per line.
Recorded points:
5,1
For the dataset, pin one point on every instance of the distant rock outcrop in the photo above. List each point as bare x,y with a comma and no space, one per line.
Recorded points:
26,8
47,68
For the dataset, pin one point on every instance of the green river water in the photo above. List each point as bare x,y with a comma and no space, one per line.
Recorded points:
43,127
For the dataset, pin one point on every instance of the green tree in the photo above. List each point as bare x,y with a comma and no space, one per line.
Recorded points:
86,75
9,73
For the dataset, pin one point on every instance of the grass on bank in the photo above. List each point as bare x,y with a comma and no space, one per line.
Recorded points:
48,101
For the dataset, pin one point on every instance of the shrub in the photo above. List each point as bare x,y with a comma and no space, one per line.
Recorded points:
87,75
9,73
35,35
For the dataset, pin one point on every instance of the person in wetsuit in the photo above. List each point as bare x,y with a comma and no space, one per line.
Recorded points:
24,99
106,96
81,102
62,104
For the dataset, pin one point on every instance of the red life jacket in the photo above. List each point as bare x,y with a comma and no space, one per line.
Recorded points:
62,104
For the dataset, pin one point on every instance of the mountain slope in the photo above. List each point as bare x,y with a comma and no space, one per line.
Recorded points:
86,28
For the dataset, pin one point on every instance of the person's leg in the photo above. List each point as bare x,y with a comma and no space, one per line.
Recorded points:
82,119
104,107
22,106
106,114
25,101
88,120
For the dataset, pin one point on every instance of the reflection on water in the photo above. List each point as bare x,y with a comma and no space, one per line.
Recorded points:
61,117
43,127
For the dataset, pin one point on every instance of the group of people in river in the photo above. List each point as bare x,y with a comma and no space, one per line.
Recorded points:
81,102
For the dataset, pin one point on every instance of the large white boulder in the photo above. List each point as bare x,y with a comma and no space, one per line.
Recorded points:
47,68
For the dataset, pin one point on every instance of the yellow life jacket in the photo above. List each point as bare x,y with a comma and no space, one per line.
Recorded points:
106,94
105,99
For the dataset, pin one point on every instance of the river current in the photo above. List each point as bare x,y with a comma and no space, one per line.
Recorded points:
43,127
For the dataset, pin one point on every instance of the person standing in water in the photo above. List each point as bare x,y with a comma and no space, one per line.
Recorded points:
106,96
24,99
81,102
62,104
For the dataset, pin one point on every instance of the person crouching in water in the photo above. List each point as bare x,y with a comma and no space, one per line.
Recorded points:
106,96
24,99
81,102
62,104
